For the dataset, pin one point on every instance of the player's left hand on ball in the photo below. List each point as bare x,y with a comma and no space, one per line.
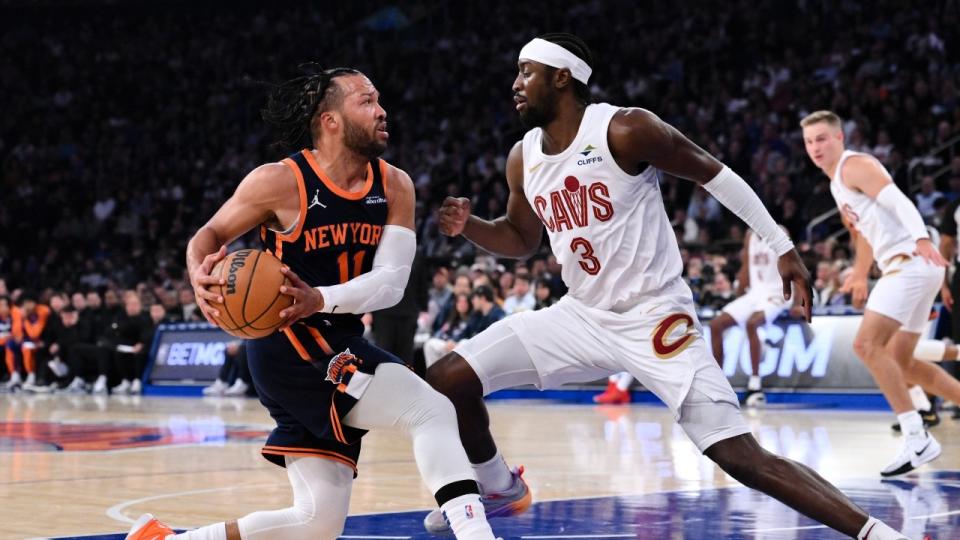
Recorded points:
794,272
929,253
306,299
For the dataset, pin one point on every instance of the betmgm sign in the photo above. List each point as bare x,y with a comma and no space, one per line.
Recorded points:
798,355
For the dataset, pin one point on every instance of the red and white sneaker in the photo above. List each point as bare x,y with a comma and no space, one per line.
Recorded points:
612,396
148,527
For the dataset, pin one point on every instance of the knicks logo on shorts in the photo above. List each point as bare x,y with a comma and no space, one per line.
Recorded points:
665,349
340,365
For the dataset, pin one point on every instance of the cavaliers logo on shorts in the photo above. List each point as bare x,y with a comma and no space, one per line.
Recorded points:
667,346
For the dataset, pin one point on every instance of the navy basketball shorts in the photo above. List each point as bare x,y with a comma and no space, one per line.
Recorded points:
309,381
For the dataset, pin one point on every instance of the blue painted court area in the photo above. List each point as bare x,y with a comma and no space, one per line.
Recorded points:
921,505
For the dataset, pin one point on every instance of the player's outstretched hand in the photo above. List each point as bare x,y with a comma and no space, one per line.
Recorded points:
201,280
793,271
453,215
929,253
306,299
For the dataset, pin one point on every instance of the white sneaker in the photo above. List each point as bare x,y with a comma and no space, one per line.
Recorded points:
58,367
909,459
100,386
136,387
216,389
122,388
31,380
14,383
239,388
76,386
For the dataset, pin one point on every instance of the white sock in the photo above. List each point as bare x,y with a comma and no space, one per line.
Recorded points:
624,380
217,531
754,383
467,518
494,475
920,399
911,424
875,529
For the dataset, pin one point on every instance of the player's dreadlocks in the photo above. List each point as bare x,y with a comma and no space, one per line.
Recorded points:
577,46
292,105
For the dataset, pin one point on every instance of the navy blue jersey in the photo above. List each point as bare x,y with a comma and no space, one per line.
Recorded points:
303,374
337,235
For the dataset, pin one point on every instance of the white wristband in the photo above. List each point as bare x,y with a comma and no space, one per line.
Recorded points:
731,191
895,201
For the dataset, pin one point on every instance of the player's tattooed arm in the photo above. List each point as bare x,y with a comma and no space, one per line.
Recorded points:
517,234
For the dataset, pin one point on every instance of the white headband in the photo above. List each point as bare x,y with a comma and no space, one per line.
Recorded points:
553,55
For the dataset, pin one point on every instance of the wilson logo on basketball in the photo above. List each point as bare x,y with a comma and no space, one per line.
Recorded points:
236,264
664,349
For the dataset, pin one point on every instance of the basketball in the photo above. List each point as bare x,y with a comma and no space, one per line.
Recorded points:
252,300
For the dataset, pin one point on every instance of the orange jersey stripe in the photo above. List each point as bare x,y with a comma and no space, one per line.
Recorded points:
349,195
296,344
320,340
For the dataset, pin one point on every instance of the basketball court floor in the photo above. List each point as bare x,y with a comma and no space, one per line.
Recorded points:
87,466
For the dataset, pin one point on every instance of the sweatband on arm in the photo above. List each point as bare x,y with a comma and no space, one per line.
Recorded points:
894,200
731,191
383,285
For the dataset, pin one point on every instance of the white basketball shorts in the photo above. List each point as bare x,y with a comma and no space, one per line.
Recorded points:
906,292
770,302
659,341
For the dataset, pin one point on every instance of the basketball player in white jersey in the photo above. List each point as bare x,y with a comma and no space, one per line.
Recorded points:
762,304
886,227
590,175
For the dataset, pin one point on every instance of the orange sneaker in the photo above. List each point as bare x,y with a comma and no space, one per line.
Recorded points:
148,527
612,396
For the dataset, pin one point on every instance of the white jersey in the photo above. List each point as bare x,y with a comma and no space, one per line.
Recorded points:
762,265
608,229
881,227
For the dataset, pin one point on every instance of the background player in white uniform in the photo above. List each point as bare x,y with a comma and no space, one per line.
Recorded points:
887,227
762,304
590,175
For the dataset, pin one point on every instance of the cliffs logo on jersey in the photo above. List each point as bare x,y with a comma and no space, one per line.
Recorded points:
589,160
573,206
665,343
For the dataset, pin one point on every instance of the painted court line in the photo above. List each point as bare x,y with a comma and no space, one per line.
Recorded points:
115,512
619,535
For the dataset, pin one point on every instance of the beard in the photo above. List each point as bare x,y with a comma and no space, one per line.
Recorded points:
534,117
362,142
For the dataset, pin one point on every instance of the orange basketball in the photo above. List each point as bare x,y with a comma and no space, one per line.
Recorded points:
252,300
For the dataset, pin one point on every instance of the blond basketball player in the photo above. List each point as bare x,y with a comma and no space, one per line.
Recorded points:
589,174
887,228
763,303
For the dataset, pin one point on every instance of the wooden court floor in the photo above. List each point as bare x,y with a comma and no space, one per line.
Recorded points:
78,465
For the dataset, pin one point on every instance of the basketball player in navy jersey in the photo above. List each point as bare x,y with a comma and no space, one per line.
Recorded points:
589,174
341,220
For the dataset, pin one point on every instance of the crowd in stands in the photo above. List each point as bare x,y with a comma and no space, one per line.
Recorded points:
126,125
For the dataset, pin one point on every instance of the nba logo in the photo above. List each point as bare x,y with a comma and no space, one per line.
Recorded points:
469,510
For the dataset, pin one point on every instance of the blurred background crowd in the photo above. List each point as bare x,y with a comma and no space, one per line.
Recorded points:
127,125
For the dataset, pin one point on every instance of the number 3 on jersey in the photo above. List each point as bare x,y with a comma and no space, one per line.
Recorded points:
588,261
